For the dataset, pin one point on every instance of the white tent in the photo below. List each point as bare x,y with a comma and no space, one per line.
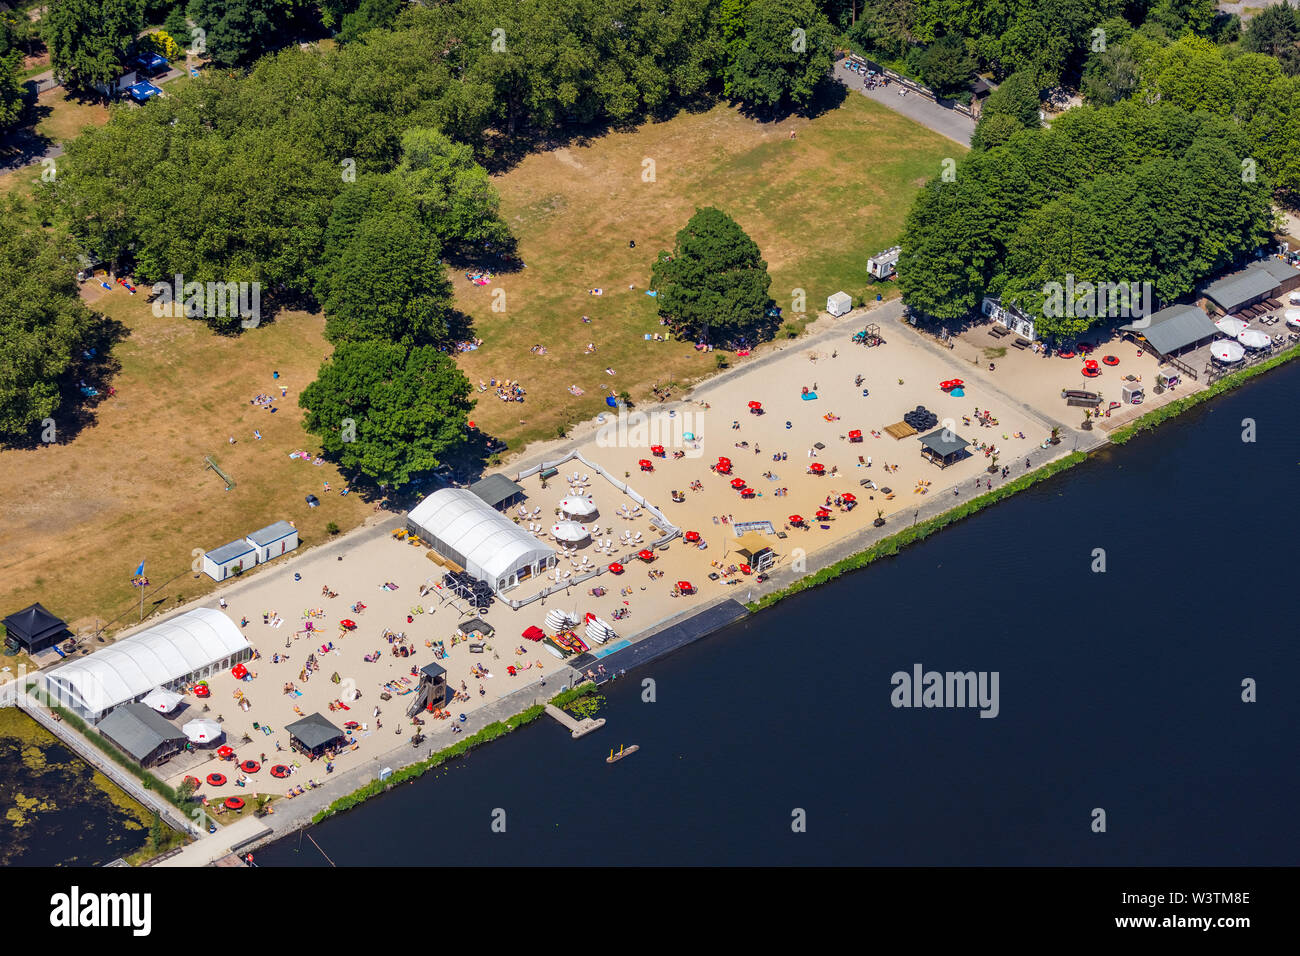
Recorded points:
1254,339
1230,326
579,505
839,304
459,525
202,730
570,531
1293,318
163,701
1227,352
171,654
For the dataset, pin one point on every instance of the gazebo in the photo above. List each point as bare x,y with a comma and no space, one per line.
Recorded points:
33,629
313,735
943,447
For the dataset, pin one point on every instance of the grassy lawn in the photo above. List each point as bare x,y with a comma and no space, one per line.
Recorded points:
62,117
132,485
818,206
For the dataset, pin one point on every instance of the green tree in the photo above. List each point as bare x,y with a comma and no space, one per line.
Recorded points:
369,15
781,54
88,40
382,276
408,409
1276,32
1015,100
11,90
43,323
945,66
714,285
177,26
455,195
239,31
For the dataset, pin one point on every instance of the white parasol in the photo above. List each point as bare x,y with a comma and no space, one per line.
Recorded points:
1231,326
202,730
570,531
1293,318
1227,351
580,505
1254,339
163,701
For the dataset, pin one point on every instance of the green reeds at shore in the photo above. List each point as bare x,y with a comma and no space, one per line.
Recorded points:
491,732
1157,416
566,697
896,542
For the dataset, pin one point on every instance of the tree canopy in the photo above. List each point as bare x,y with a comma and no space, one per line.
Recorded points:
779,53
714,285
387,412
89,40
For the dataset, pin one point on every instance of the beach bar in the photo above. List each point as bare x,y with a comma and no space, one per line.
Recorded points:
145,736
313,735
943,447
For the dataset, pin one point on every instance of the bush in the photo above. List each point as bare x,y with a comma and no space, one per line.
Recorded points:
721,359
331,528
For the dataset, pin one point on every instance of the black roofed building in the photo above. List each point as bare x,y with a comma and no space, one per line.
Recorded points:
943,447
313,735
1173,331
33,629
142,734
498,491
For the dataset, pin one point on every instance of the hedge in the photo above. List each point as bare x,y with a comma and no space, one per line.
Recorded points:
1155,417
566,697
373,789
896,542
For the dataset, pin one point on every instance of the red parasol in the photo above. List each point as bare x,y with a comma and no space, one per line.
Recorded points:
657,449
796,519
746,569
746,492
738,483
239,671
755,406
724,461
685,586
645,554
224,751
1091,363
201,690
855,435
823,513
646,464
692,536
347,623
849,496
817,468
616,568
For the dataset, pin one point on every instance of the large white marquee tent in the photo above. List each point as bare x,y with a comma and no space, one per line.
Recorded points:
461,526
171,654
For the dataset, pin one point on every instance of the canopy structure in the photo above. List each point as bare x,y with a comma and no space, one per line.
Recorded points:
461,526
476,626
579,505
1227,351
498,491
313,734
143,91
202,730
171,654
1230,325
943,447
163,701
33,629
1254,339
570,531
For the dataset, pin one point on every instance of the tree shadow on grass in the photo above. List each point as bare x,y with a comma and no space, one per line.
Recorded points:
828,96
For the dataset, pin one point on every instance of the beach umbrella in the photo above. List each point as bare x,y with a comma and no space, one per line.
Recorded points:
1091,363
1254,339
163,701
201,690
817,468
723,467
746,492
581,505
657,450
645,554
646,464
349,624
225,751
692,536
615,568
1230,326
738,483
746,569
855,435
685,586
1227,351
755,406
849,496
239,672
823,513
202,730
796,519
570,531
1293,318
724,461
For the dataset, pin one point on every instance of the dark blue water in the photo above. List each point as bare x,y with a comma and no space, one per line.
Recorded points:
1119,691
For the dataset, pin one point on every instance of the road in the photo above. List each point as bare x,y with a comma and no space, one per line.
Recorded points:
955,126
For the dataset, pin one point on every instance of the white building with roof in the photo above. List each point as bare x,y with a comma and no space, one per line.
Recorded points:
171,654
220,563
273,540
463,528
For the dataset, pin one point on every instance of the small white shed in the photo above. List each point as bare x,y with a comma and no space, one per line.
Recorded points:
220,563
841,303
273,540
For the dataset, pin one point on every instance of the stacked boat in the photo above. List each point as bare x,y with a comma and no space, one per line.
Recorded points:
558,620
598,630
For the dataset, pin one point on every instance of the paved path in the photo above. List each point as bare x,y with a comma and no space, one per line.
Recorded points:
956,126
212,848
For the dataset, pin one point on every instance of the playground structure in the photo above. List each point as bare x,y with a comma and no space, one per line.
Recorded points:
211,463
870,336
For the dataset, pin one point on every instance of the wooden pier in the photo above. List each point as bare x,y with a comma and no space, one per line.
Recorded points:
577,728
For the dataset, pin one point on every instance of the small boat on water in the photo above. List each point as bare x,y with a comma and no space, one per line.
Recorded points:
622,752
